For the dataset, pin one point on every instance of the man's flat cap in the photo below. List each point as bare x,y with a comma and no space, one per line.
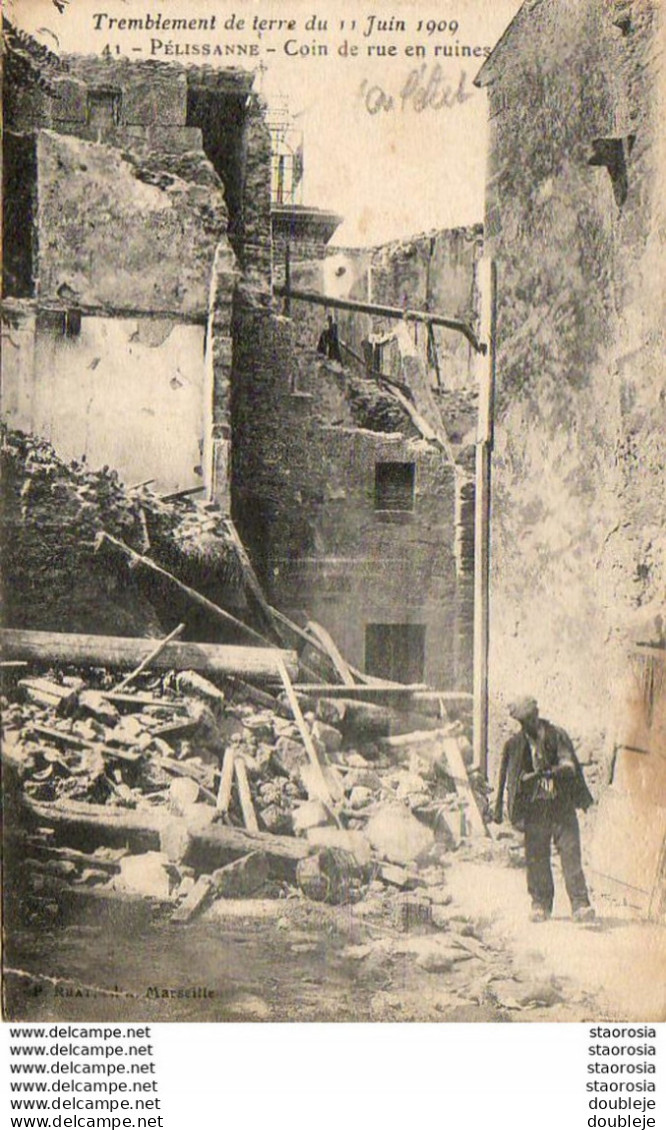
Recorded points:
523,707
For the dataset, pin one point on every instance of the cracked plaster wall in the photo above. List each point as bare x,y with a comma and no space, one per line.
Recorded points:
578,502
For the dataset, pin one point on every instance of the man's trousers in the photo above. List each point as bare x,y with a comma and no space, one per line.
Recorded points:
555,822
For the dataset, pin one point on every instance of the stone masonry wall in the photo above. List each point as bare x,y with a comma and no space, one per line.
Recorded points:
575,225
303,488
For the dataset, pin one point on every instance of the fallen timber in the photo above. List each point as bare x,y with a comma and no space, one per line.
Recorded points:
112,547
119,651
206,847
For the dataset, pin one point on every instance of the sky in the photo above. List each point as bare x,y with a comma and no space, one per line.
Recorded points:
394,141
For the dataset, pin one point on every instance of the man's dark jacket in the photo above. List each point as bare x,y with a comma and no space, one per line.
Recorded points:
517,760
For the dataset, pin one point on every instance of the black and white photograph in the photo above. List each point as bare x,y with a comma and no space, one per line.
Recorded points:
333,511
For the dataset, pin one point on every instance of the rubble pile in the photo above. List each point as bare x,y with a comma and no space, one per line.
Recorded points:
51,514
183,755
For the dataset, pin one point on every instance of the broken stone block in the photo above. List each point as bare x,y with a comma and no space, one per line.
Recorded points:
94,704
92,877
439,895
285,729
353,842
362,778
260,726
356,761
242,877
332,876
289,757
146,874
88,729
360,797
175,840
330,711
183,792
129,729
409,784
185,886
276,820
396,835
327,736
397,876
311,814
195,901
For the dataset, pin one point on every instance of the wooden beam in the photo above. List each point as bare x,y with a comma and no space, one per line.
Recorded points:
155,653
226,782
217,843
331,649
245,796
60,737
251,578
324,793
69,648
367,692
394,312
105,543
458,771
141,700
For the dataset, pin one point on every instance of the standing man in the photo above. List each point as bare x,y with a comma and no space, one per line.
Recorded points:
545,786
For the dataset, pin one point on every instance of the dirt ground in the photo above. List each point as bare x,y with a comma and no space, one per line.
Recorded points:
294,960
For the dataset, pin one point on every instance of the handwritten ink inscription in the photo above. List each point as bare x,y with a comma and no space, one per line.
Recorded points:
423,89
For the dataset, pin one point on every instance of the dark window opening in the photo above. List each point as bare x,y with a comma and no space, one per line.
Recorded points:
394,486
395,651
104,107
19,239
72,326
221,119
612,153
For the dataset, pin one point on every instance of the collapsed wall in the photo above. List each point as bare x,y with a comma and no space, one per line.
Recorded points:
354,501
119,284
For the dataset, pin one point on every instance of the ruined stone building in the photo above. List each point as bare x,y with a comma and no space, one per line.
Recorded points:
142,245
347,506
134,194
575,223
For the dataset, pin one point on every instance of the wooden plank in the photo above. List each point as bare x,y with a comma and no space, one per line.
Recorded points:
63,738
217,843
69,648
323,791
245,796
195,901
154,654
251,578
365,693
418,737
182,494
458,770
47,693
330,647
141,700
105,543
223,799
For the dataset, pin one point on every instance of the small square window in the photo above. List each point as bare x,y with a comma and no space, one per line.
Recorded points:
394,486
104,107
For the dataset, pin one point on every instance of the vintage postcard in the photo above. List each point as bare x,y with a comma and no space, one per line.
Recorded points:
333,510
